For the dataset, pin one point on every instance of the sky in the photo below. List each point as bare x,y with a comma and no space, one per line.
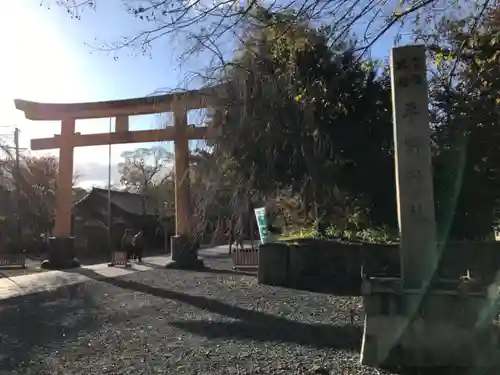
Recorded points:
48,59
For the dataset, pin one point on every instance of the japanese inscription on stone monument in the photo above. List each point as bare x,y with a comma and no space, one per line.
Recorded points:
413,163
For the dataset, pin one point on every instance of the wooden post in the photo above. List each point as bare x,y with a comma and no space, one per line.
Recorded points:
415,198
181,152
64,196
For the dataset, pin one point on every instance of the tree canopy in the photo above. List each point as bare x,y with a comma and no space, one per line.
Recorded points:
307,114
311,116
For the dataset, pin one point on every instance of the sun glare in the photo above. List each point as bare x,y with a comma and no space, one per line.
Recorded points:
42,61
37,64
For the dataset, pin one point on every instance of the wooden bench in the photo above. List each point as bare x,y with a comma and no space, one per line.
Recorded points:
245,259
8,260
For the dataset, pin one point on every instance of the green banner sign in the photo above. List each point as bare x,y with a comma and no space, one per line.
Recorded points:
261,217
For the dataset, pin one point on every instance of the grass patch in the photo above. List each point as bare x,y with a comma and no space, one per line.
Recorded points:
369,235
300,234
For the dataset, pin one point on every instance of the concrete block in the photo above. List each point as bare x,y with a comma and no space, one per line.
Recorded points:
184,254
439,329
273,264
61,254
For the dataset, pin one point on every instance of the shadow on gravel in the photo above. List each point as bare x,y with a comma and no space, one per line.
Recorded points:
227,272
331,289
254,325
205,269
43,319
152,265
270,328
208,255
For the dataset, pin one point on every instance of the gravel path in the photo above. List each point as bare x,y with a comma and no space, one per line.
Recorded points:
175,322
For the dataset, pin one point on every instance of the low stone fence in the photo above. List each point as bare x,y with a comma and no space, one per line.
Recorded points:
335,265
319,264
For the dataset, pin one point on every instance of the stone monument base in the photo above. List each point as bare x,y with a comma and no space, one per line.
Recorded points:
184,254
61,254
450,326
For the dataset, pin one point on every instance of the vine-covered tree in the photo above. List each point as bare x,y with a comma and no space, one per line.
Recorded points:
307,114
466,119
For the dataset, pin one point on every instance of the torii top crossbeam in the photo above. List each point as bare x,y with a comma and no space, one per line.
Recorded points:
115,108
180,133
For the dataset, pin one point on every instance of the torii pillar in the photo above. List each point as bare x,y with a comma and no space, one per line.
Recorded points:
184,249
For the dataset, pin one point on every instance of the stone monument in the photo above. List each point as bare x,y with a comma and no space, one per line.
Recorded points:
420,319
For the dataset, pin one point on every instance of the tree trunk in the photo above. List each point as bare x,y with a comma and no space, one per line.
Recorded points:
308,154
305,202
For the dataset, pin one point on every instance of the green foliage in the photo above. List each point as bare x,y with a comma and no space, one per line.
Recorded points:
370,235
311,119
303,113
465,118
302,233
308,116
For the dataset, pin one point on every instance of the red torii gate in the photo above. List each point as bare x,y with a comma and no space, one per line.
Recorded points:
61,254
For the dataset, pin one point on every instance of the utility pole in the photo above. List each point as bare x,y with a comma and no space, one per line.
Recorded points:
17,179
110,221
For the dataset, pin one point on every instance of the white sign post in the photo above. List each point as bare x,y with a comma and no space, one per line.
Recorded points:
261,217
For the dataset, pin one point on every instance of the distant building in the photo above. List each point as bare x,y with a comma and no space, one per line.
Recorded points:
128,211
6,187
128,207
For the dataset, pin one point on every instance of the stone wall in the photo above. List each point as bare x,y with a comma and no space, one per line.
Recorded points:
337,266
322,264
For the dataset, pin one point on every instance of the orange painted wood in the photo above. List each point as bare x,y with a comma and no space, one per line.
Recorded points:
64,196
127,107
121,124
138,136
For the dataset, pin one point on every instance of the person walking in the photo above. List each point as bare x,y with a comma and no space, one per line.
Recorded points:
139,243
126,243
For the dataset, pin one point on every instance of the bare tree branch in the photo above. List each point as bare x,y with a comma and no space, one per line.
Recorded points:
210,24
